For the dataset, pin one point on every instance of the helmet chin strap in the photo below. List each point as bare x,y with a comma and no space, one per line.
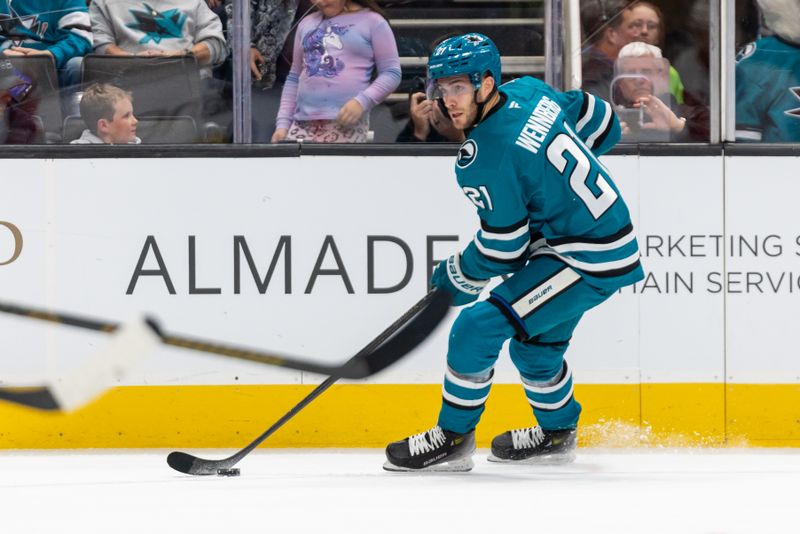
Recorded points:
481,108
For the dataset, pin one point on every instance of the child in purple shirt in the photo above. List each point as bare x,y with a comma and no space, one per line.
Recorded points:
329,91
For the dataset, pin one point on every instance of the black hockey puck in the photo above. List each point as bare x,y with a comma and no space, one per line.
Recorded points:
232,472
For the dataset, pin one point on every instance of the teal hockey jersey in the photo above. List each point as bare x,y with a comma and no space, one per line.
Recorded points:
60,26
768,92
531,170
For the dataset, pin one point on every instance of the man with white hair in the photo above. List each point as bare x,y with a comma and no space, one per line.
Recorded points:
641,95
768,78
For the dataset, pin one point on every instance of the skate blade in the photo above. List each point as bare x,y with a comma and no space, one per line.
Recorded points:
456,466
549,459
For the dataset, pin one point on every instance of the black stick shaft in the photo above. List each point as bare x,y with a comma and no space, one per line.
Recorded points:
200,466
60,318
356,370
319,390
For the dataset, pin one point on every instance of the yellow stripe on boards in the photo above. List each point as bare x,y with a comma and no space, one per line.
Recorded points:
369,415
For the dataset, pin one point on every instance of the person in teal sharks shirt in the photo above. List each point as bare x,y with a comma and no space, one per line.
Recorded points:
56,28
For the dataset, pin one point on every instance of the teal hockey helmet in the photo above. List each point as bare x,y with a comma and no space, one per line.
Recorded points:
473,54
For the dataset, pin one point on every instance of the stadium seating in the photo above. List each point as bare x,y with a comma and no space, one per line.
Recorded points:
45,92
161,86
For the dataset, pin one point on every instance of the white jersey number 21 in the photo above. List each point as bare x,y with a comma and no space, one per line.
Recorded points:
480,197
597,205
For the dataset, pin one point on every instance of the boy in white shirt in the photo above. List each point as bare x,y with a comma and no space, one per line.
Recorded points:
108,112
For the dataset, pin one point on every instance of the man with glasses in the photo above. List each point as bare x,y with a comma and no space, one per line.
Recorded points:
552,218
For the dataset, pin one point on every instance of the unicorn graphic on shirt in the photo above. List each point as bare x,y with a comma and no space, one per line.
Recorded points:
317,48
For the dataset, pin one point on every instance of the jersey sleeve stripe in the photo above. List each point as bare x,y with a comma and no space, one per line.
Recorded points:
604,124
505,229
510,236
501,255
606,132
587,110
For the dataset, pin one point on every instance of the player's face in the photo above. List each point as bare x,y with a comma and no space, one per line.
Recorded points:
121,129
458,96
641,24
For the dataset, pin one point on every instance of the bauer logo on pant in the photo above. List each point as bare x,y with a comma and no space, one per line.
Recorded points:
13,246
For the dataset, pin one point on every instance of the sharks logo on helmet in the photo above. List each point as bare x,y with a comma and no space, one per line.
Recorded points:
473,54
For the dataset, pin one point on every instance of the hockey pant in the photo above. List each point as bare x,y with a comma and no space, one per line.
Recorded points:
537,308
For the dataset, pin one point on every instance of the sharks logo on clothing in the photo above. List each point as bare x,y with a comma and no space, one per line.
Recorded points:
19,29
794,113
467,154
157,25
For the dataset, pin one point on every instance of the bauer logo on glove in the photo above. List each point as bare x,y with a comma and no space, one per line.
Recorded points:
449,277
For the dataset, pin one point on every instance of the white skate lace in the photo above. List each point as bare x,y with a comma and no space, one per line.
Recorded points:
527,437
426,441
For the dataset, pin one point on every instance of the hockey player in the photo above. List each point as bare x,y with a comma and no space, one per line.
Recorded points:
552,218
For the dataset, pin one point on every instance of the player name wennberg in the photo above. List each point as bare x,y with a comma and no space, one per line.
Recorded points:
538,125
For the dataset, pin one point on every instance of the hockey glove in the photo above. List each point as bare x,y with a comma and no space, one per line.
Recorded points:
449,277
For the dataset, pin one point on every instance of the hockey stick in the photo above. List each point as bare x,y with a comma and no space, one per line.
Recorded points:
366,364
130,344
192,465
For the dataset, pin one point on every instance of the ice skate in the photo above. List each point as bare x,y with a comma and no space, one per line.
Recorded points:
432,450
534,445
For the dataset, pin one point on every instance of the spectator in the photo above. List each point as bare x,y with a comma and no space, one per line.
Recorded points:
175,28
643,21
328,94
429,122
271,22
59,29
108,112
640,94
768,78
602,26
17,123
270,26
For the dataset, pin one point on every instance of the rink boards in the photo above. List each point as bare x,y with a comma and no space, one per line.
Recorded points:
316,255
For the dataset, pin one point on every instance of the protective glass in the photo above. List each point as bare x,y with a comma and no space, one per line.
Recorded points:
20,91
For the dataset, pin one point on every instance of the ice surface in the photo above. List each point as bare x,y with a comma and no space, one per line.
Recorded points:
286,490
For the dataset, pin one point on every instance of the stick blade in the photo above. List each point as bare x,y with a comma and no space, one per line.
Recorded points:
192,465
403,342
129,344
180,461
102,370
